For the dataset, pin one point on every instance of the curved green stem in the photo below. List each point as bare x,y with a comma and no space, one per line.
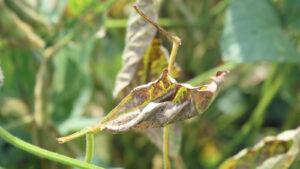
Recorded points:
89,149
44,153
166,147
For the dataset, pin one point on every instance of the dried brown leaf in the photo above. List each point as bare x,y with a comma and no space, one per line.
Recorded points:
277,152
161,102
144,59
139,35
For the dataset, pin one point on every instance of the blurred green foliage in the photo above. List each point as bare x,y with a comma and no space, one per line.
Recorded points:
60,60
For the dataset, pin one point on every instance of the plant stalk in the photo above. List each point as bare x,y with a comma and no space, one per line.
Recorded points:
89,149
44,153
166,159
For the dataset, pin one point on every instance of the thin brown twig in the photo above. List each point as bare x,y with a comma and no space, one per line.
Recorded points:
170,36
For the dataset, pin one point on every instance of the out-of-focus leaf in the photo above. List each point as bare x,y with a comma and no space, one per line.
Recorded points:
1,78
76,123
253,33
21,34
159,103
276,152
139,35
291,13
76,7
70,95
256,75
29,15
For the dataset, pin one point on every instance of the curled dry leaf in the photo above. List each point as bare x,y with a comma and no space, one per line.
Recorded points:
276,152
144,58
138,37
159,103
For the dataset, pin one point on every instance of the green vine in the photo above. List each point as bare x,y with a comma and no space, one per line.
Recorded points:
44,153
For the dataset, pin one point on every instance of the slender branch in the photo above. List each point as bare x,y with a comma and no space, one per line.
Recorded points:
38,94
82,132
173,38
176,43
89,149
166,147
44,153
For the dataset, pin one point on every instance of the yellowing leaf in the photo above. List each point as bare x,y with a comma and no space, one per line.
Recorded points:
276,152
161,102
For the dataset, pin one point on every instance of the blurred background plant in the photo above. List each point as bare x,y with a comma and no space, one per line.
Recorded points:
60,60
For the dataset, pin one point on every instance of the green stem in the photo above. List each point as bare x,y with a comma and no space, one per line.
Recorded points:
166,147
89,149
44,153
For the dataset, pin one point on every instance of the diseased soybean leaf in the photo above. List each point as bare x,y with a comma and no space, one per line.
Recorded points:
159,103
152,63
144,58
253,33
277,152
139,35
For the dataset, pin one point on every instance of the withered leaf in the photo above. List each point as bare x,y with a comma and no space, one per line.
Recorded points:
139,35
144,57
161,102
277,152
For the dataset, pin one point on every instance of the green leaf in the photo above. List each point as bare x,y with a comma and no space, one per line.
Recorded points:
253,33
277,152
292,14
